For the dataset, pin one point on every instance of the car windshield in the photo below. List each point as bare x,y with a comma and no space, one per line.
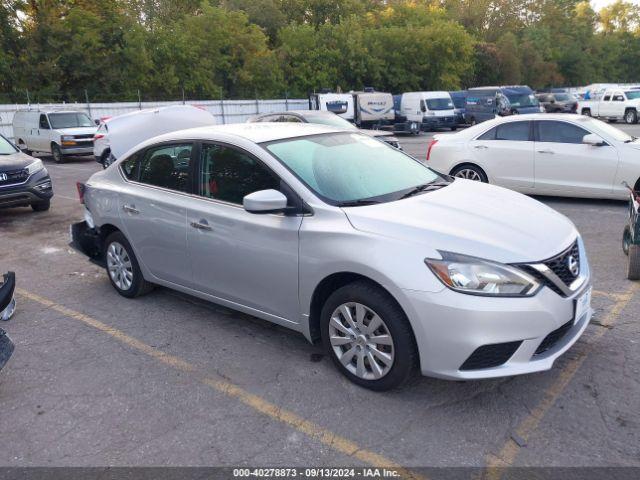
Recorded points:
439,104
523,100
608,130
5,147
633,94
351,167
331,120
70,120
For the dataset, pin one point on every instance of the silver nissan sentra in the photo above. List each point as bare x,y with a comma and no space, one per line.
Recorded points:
345,239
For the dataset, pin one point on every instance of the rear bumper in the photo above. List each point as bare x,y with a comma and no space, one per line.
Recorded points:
38,188
87,241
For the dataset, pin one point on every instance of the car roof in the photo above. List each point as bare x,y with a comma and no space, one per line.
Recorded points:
254,132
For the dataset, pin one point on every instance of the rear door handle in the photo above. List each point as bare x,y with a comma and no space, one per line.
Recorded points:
201,225
130,209
548,152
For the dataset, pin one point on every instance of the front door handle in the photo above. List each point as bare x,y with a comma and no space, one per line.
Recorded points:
480,147
548,152
130,209
201,225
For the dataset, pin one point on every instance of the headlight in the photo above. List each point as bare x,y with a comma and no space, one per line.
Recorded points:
35,167
476,276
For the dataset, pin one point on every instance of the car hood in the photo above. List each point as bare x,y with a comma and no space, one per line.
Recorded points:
15,161
471,218
77,130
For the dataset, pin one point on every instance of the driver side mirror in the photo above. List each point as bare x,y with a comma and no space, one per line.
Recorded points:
593,140
423,107
265,201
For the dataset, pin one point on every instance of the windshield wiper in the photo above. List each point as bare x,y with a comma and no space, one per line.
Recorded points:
424,188
358,203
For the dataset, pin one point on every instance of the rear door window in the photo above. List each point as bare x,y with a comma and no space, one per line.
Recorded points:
167,166
513,131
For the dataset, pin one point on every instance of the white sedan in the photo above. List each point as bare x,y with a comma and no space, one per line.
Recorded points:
542,154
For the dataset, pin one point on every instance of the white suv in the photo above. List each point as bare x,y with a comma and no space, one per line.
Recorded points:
56,132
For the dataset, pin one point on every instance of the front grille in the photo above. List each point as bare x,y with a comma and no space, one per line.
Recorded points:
13,177
489,356
84,135
559,266
13,199
553,338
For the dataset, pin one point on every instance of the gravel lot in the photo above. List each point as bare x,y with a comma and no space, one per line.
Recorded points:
167,379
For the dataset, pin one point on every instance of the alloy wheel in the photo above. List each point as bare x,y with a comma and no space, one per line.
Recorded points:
469,174
630,117
361,341
119,266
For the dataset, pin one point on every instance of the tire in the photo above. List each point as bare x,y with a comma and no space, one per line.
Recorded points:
56,153
120,259
107,159
586,112
470,172
401,352
473,121
626,240
633,267
41,206
453,129
631,117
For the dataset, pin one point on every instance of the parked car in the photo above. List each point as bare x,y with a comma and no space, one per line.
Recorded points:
558,102
23,179
343,238
117,135
544,154
7,308
55,132
323,118
487,103
432,110
460,105
615,104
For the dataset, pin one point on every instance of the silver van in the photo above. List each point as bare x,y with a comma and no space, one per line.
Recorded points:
56,132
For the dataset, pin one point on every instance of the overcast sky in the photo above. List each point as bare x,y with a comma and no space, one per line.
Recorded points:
601,3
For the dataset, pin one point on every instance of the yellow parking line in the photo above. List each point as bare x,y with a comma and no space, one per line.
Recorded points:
313,430
507,455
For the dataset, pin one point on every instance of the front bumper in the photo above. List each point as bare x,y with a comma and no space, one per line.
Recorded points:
78,150
429,123
7,307
450,327
32,191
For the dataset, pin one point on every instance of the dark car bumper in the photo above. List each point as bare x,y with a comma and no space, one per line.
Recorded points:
37,189
7,307
429,123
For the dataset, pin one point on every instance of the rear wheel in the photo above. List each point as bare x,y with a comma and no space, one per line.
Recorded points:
470,172
368,336
631,117
41,206
473,121
586,112
123,268
56,153
633,267
23,147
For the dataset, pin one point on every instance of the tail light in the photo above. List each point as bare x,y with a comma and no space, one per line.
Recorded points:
97,136
81,189
431,145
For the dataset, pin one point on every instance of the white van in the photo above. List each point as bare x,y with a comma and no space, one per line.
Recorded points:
339,103
432,109
56,132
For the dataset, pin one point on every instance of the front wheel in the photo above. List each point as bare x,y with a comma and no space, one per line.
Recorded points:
633,267
470,172
368,336
56,153
631,117
586,112
123,268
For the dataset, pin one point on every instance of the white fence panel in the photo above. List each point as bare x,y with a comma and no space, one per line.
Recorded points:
224,111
